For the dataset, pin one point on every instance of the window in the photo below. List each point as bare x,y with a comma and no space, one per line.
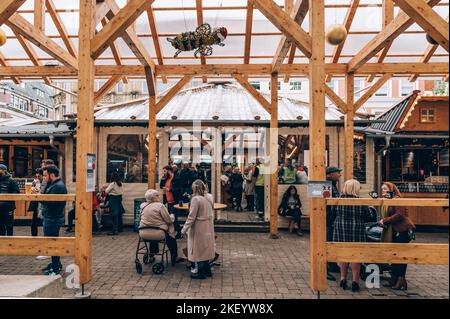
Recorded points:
427,116
295,86
279,85
358,88
256,85
128,156
383,91
20,103
120,87
333,85
42,111
407,88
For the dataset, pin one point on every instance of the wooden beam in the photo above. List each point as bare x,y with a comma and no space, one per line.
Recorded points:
340,104
285,24
426,57
317,159
37,197
37,246
85,139
349,127
199,7
134,43
8,8
433,24
298,14
5,65
418,254
290,61
347,23
248,32
32,55
258,96
118,25
59,24
273,156
101,10
152,142
388,16
115,53
39,15
151,80
370,92
172,92
399,25
155,37
106,88
413,202
435,68
20,25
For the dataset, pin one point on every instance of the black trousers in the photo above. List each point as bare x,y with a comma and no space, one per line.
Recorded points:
297,214
399,270
237,196
171,244
259,192
35,223
251,202
7,223
53,231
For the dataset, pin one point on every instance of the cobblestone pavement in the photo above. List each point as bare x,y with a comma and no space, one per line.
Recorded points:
252,266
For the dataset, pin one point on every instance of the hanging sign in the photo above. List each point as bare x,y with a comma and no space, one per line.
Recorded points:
90,172
320,189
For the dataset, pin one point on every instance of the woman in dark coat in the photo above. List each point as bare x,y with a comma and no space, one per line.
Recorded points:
291,206
237,188
349,226
396,221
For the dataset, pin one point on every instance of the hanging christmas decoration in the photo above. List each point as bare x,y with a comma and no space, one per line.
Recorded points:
2,37
336,34
201,40
431,40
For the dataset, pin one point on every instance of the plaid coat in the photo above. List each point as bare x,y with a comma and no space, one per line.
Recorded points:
349,225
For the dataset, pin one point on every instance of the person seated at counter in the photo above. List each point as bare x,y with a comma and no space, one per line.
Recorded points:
291,206
154,213
288,173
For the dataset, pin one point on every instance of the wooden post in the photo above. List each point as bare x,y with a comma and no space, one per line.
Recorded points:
85,140
349,126
152,142
39,14
317,141
274,156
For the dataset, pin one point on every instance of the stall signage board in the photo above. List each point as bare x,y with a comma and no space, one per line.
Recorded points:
320,189
90,172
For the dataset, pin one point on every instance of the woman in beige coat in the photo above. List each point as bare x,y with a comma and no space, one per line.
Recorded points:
154,213
199,228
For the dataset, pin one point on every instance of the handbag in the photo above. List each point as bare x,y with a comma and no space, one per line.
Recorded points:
374,231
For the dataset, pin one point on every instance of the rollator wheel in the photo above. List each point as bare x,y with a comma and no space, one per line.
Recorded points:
158,269
138,267
148,260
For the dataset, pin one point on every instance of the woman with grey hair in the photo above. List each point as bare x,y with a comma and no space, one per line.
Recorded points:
199,228
154,213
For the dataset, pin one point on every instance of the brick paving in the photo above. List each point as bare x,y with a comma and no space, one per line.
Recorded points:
253,266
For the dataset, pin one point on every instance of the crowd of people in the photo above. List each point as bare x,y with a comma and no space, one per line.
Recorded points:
188,185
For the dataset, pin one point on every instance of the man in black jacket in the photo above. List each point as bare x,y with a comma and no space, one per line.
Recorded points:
53,213
187,177
7,186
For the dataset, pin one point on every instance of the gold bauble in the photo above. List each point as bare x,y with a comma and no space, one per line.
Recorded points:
2,37
336,34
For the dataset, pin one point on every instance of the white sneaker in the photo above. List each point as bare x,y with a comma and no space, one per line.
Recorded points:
43,257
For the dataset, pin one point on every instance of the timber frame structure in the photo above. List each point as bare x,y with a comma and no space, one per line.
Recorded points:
118,22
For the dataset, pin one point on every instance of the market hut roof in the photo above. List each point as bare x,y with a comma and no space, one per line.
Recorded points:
219,102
